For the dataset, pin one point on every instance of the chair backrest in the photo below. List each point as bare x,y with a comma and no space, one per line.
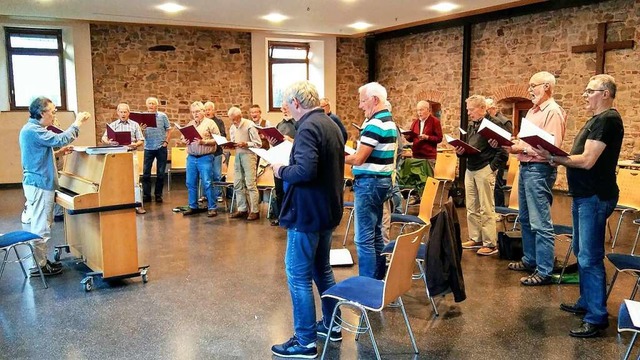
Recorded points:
400,273
231,169
265,180
446,164
348,172
178,157
140,160
428,199
512,171
627,180
513,195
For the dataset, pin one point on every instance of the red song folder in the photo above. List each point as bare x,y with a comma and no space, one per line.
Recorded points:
144,118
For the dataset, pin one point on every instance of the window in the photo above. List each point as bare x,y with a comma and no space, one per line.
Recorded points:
36,66
288,63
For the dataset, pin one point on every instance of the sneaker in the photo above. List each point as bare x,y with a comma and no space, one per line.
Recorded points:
472,244
322,330
54,265
293,349
486,251
212,213
46,271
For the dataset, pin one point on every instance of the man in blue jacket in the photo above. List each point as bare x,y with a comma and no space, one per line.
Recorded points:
311,210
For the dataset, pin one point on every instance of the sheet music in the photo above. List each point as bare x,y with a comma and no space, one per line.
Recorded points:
634,311
278,154
527,128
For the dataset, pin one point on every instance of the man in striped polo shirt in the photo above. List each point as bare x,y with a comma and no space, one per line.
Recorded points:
373,164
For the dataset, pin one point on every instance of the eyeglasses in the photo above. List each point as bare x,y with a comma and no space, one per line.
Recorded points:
592,91
533,86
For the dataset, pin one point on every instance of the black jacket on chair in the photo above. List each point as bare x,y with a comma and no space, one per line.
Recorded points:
444,254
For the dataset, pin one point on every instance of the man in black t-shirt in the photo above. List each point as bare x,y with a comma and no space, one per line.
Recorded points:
591,174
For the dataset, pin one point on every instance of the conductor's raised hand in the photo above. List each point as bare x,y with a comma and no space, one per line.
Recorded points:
81,118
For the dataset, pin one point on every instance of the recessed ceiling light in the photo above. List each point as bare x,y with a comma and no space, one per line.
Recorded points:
360,25
171,7
444,7
275,17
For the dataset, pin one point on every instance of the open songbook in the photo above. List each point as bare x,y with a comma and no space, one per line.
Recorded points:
634,311
468,149
356,126
407,132
535,136
189,132
278,154
55,129
144,118
494,132
270,132
222,141
349,150
121,137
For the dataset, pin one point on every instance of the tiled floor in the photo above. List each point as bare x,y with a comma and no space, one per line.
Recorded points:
217,290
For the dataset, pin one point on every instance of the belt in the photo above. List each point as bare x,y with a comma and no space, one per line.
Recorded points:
364,176
199,156
528,163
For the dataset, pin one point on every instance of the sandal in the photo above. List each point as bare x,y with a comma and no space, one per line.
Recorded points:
519,266
536,279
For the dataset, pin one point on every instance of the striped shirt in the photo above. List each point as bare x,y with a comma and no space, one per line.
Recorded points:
206,128
380,133
128,125
155,136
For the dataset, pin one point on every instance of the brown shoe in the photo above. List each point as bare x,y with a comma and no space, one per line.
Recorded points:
239,215
188,212
141,211
253,216
212,213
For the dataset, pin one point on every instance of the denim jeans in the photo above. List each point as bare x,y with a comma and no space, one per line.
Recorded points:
589,223
161,165
369,196
217,175
200,168
396,197
534,196
307,259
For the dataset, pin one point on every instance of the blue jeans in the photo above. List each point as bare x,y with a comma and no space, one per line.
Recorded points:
307,259
200,168
369,196
534,196
589,223
217,175
160,155
396,197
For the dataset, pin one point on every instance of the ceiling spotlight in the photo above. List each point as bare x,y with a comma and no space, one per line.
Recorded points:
275,17
171,7
360,25
444,7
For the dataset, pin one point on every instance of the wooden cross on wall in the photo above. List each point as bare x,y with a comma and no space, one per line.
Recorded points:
601,46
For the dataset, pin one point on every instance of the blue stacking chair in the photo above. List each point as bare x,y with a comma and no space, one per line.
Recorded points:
512,210
364,293
626,325
11,241
567,232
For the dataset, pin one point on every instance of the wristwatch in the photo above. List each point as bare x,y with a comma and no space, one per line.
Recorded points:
524,151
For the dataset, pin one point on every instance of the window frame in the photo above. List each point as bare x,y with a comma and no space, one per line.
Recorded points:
272,61
59,52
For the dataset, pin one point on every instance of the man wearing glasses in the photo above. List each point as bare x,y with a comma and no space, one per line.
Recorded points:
536,180
591,174
39,173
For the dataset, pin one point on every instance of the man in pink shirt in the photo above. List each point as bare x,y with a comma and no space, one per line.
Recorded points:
536,180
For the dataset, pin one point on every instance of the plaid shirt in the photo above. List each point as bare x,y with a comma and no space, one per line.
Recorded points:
129,125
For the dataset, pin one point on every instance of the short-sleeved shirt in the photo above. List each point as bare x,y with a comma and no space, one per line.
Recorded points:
128,125
600,180
380,133
155,136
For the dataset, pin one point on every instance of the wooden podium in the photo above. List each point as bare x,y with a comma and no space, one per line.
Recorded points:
100,224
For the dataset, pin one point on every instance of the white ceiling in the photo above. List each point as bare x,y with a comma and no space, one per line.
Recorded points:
305,16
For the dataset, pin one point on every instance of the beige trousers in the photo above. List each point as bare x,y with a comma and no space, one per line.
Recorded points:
481,213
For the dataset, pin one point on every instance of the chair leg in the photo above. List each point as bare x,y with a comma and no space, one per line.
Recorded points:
269,206
35,259
633,340
346,231
613,280
566,260
615,236
333,320
24,272
635,242
4,262
373,339
426,288
635,289
406,321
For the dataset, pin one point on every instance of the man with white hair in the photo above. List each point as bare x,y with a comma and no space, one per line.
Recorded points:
373,164
426,134
210,113
311,210
245,135
536,181
507,124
